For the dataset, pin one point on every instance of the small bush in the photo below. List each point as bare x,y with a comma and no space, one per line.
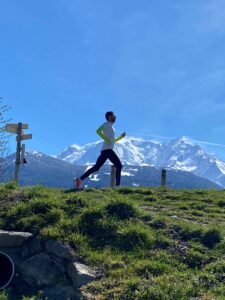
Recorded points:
74,206
102,230
211,237
194,259
134,236
121,209
36,192
146,217
189,232
221,203
217,267
126,190
54,215
162,242
40,206
32,223
150,199
158,222
149,268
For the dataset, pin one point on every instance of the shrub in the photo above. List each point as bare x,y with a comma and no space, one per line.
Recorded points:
36,192
188,232
149,268
158,222
102,230
211,237
150,199
74,206
121,209
134,236
40,206
127,190
194,259
162,241
221,203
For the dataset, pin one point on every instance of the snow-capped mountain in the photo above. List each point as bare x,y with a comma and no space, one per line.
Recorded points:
181,154
53,172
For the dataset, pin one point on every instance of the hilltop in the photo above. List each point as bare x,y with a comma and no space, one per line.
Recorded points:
148,243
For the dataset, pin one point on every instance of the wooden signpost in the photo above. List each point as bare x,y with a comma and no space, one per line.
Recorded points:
163,178
20,149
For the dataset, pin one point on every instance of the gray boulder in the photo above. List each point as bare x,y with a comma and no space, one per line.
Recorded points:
13,238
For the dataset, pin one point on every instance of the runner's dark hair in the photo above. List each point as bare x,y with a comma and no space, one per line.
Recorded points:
107,114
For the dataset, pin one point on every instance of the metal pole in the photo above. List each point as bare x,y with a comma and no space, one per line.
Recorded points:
113,176
163,178
18,149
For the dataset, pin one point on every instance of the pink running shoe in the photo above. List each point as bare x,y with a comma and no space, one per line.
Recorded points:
77,183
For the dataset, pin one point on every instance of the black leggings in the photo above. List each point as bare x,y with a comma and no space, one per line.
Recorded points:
106,154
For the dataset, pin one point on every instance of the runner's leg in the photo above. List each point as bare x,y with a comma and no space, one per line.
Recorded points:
116,161
100,161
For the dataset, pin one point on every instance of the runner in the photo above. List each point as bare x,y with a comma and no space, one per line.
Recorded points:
107,132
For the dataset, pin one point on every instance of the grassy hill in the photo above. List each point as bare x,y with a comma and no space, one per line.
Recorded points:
148,243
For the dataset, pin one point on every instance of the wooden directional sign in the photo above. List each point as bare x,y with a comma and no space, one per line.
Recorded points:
25,137
13,128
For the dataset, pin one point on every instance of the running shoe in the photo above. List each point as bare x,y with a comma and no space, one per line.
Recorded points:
77,183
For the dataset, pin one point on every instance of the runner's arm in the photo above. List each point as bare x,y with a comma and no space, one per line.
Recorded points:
99,132
118,138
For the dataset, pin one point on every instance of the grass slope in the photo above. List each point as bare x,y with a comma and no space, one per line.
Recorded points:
149,243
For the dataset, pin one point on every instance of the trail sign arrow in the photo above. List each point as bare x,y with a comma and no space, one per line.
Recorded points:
11,129
25,137
24,126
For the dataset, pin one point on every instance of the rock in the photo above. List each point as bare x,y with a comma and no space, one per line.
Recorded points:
40,270
48,265
60,249
13,238
80,274
61,292
31,247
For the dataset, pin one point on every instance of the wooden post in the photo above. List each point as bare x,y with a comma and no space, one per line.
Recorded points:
113,176
18,149
22,157
18,129
163,178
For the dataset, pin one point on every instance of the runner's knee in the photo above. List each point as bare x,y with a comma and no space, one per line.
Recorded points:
119,166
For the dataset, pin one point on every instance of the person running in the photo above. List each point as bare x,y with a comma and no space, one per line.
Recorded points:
107,132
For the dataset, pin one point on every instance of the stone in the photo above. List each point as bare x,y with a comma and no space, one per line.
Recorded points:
31,247
40,270
60,249
13,238
80,274
61,292
45,264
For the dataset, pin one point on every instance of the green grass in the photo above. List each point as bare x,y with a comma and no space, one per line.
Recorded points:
149,243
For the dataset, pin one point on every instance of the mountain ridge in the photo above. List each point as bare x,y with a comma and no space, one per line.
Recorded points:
181,153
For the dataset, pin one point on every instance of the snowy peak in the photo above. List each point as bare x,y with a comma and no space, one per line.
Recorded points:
181,153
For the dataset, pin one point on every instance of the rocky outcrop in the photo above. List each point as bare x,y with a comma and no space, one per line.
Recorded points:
44,264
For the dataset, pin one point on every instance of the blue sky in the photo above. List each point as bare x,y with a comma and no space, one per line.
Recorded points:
159,65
